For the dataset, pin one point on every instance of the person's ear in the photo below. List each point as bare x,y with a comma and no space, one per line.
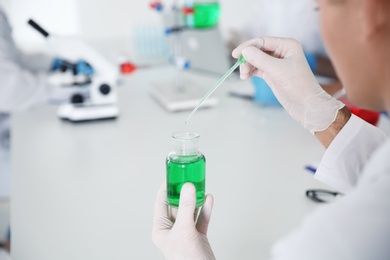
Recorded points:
376,15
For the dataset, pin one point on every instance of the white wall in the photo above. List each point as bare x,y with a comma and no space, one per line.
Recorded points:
236,13
103,19
56,16
114,18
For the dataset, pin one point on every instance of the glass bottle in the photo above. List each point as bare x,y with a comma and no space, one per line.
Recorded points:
202,14
185,164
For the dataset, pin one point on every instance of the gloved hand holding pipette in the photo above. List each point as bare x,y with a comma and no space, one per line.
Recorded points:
282,64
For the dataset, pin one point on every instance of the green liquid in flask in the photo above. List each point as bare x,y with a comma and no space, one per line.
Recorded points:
206,15
182,169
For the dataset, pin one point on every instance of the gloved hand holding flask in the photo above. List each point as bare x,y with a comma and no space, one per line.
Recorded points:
178,230
186,238
282,64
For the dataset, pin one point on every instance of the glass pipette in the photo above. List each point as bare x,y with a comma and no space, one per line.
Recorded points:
240,60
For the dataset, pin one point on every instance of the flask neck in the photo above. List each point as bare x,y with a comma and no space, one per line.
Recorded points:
185,143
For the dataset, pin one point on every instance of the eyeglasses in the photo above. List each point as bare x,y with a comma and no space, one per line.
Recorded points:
322,196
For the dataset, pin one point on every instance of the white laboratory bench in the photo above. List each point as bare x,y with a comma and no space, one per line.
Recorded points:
87,191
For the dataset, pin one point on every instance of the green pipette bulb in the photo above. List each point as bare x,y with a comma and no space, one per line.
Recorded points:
240,60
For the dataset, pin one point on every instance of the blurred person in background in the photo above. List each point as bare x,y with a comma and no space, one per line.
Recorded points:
25,82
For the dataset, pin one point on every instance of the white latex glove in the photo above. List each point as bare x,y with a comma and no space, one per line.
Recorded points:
184,238
282,64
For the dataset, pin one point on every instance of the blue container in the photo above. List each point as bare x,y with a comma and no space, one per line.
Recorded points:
263,93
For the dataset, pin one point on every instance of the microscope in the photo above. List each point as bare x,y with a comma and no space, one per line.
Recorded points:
100,102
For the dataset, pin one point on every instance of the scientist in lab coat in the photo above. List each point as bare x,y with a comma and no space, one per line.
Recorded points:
24,83
356,34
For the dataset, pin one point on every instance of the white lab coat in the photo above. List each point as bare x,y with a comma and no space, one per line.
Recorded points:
23,77
356,226
296,19
23,84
